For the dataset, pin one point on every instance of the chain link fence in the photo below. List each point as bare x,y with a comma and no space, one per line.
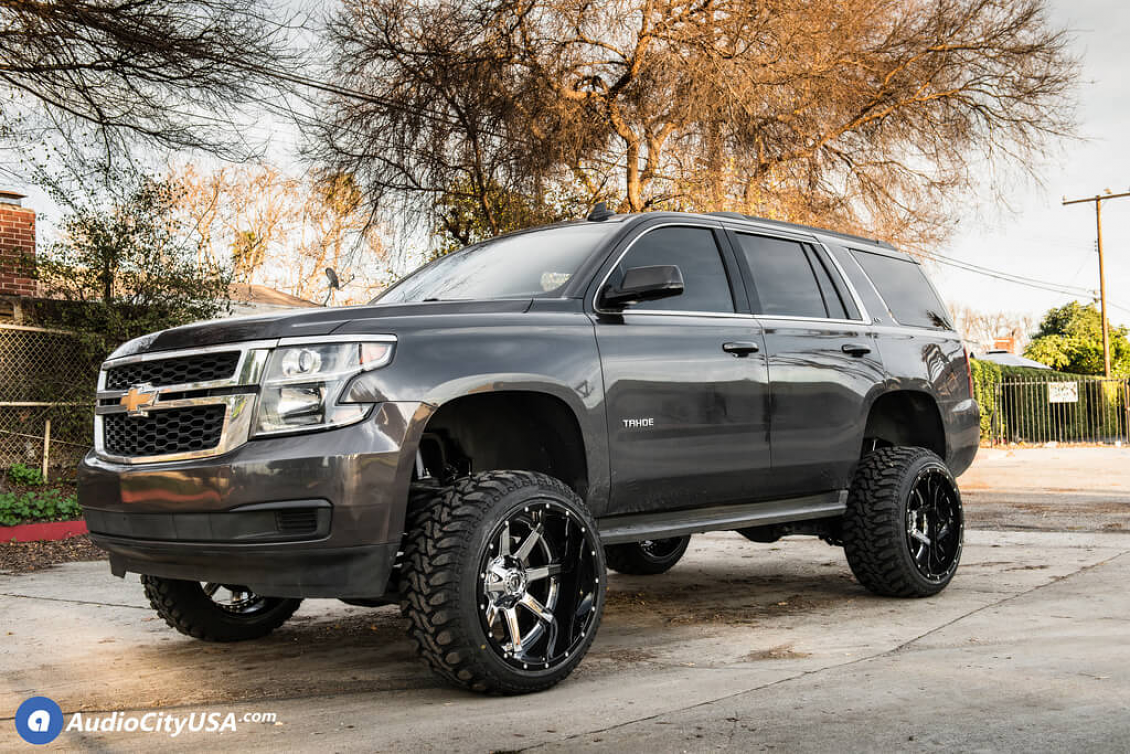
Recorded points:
46,398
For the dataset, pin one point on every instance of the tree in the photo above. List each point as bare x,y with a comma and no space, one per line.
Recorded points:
94,74
1070,339
127,270
283,230
864,115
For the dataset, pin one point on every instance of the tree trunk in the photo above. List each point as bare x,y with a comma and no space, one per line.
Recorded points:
635,186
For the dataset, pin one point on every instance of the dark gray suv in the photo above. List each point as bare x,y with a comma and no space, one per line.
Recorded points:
487,437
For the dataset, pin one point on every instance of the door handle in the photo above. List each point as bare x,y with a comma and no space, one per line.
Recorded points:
855,349
740,348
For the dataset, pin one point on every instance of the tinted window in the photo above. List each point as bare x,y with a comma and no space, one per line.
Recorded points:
782,276
904,287
833,302
538,263
695,252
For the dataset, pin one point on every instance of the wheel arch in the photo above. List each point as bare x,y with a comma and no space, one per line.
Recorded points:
510,428
905,418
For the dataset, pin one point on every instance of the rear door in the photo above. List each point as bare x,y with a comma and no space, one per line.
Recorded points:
687,419
822,358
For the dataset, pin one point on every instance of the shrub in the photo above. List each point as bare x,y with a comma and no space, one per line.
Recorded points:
45,505
25,476
986,375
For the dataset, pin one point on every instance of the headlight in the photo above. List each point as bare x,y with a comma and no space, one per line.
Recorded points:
304,382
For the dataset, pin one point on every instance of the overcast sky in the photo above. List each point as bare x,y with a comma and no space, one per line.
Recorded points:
1043,239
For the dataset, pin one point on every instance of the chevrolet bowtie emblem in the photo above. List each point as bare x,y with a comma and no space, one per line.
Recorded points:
137,398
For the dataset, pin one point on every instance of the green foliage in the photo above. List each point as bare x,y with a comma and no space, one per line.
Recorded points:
25,476
127,270
41,505
1070,339
986,376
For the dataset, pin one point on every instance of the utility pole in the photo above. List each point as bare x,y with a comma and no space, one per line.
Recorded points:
1098,200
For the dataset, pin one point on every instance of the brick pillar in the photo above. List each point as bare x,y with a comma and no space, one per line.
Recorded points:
17,246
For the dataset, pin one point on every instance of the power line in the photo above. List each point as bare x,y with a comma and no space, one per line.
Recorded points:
1009,277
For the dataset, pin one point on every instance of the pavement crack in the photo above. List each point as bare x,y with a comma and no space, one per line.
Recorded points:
1055,580
804,674
72,602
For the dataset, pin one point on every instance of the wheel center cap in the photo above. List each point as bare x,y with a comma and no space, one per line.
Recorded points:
514,582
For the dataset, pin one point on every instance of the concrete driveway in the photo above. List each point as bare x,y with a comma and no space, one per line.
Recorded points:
742,647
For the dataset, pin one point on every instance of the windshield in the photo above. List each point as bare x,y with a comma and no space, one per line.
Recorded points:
538,263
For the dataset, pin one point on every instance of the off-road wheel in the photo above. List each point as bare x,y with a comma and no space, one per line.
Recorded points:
216,612
502,581
647,558
904,525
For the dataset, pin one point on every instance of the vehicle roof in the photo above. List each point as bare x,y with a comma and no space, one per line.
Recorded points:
870,244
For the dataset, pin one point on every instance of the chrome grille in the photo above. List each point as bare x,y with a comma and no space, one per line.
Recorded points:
184,370
178,405
175,430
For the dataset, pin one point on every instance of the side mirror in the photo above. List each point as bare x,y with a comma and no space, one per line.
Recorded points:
644,284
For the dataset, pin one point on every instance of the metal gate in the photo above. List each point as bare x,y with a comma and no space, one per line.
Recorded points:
1082,410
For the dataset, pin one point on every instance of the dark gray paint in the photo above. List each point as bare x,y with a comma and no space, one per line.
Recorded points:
785,422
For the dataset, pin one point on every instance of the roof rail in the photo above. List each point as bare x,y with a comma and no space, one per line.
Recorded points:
808,228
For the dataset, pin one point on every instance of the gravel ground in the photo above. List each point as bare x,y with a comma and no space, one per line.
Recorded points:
26,557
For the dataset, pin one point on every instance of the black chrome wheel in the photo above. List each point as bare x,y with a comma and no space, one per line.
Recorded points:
217,612
662,548
647,558
538,583
235,599
933,524
903,527
502,581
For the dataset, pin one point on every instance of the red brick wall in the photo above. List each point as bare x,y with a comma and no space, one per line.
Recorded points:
17,248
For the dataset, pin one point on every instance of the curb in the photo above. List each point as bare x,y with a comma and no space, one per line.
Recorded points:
42,532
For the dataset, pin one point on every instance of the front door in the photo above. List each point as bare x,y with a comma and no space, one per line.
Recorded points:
685,377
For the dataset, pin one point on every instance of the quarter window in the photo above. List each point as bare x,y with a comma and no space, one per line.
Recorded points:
695,252
908,294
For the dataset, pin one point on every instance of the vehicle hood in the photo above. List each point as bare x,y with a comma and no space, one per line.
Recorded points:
378,318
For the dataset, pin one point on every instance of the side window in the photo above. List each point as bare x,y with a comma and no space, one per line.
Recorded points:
786,285
904,288
695,252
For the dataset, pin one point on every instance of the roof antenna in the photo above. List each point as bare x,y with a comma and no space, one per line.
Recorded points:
600,213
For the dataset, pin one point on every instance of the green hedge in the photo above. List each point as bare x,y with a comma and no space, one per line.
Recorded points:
1026,415
986,376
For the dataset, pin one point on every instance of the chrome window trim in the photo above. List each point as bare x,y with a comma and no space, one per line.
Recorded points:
652,312
238,413
678,313
797,318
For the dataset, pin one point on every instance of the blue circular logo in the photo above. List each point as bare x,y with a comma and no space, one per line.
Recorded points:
39,720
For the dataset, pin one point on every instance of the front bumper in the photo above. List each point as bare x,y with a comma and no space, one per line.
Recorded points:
213,519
